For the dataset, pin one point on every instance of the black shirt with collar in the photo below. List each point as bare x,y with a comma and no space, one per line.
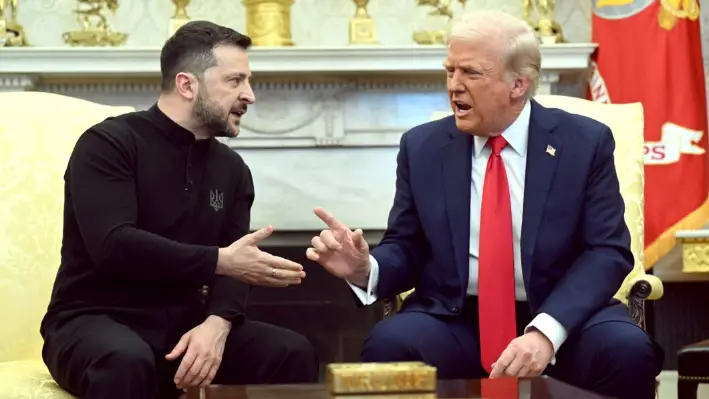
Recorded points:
146,208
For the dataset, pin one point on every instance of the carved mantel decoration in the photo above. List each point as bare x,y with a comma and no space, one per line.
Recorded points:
326,117
695,250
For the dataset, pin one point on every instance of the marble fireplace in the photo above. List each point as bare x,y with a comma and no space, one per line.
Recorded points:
324,132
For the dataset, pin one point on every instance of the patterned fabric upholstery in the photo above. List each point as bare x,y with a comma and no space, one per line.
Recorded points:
37,134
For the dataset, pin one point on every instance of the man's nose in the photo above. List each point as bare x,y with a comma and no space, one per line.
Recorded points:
248,95
454,84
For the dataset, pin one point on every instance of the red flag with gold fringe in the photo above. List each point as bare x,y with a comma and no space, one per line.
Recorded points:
649,51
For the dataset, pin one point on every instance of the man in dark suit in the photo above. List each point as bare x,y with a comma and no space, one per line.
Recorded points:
508,222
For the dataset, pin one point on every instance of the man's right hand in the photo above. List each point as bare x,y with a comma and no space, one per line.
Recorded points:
341,251
244,261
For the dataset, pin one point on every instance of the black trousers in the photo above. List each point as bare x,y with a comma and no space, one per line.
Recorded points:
97,357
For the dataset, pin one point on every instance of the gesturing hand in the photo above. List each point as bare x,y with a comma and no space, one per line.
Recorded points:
244,261
203,347
340,251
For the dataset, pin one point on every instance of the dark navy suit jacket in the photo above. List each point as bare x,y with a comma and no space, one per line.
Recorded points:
575,244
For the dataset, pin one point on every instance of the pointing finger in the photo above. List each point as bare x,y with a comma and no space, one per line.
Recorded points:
329,220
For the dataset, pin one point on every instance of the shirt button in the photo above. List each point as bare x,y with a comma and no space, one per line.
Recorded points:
455,310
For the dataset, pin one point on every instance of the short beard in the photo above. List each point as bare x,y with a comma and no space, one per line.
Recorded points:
214,121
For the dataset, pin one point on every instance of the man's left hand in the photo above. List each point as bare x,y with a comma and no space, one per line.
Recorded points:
202,347
525,356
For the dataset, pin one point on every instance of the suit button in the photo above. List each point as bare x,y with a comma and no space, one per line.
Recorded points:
455,310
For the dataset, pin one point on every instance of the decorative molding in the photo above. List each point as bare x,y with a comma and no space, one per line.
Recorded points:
695,250
16,83
351,60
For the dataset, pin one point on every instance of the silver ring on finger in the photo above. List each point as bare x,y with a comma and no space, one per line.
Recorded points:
273,272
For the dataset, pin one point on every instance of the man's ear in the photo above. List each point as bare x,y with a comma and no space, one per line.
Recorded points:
187,85
520,86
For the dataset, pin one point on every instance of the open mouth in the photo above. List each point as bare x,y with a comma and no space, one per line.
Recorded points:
461,108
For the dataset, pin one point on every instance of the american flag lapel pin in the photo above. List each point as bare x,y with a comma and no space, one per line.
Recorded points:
551,150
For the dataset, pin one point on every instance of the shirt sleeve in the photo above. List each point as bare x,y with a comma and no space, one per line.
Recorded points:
369,296
228,297
101,191
552,329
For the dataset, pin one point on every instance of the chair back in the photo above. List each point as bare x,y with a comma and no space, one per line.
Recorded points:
38,132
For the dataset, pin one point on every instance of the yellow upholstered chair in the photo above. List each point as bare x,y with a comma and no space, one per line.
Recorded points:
37,134
627,123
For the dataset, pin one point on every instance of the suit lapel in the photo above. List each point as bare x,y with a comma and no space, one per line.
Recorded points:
543,152
456,165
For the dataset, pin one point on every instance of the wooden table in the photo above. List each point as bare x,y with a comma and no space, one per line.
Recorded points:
536,388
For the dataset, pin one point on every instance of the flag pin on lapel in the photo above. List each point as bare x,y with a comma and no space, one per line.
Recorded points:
551,150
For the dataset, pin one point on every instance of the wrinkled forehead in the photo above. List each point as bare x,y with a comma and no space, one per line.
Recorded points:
484,52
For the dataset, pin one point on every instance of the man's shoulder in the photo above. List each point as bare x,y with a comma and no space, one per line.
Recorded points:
433,130
227,154
574,128
121,127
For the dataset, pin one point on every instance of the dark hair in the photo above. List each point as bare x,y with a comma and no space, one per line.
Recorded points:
190,49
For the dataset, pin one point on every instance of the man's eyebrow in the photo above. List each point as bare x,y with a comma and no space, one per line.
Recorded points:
239,75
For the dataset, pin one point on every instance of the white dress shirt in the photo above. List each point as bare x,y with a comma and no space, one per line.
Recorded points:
514,156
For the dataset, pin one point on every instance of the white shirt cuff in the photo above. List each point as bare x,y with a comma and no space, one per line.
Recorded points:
552,329
368,297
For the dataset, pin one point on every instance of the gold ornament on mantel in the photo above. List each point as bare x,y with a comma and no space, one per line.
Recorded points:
12,34
268,22
95,30
362,28
180,17
548,30
441,8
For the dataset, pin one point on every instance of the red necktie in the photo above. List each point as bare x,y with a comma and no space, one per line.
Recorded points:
496,286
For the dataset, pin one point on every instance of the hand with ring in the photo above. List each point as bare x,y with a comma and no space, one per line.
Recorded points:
244,261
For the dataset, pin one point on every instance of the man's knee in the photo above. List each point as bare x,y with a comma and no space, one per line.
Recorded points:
289,359
625,353
299,351
388,343
630,350
134,363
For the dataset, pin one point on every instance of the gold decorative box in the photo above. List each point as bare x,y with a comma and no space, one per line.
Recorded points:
368,378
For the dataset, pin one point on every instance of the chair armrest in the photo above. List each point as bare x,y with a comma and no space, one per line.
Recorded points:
642,288
647,287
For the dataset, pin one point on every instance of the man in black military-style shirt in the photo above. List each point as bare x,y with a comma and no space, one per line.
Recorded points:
156,257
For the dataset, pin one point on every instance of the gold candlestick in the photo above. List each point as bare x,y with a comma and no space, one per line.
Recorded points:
268,22
441,8
180,17
362,27
548,30
12,34
95,30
